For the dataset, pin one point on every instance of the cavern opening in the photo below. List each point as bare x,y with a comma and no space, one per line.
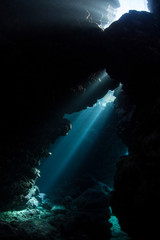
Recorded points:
107,12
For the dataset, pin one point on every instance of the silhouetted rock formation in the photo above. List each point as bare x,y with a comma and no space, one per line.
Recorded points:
135,63
42,76
154,7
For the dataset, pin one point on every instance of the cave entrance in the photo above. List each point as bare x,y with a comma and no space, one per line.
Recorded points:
127,5
112,13
88,152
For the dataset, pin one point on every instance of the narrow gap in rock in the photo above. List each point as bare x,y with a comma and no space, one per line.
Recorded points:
78,175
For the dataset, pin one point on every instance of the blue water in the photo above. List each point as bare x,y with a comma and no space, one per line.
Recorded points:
72,152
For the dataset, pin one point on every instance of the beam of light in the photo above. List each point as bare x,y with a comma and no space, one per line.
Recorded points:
72,149
76,12
100,80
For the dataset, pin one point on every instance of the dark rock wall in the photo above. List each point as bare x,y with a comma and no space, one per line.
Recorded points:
135,62
154,7
43,69
20,158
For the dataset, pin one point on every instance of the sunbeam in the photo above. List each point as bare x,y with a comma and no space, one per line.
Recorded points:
72,149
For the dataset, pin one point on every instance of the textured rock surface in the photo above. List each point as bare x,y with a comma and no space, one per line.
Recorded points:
83,217
22,160
136,195
89,215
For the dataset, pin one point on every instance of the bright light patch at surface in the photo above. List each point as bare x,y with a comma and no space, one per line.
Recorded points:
108,98
125,7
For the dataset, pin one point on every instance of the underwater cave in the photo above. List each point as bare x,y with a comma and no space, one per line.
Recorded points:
80,155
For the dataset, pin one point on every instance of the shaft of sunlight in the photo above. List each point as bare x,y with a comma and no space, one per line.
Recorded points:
71,149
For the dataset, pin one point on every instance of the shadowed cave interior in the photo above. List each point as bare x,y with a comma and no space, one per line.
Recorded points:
79,157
